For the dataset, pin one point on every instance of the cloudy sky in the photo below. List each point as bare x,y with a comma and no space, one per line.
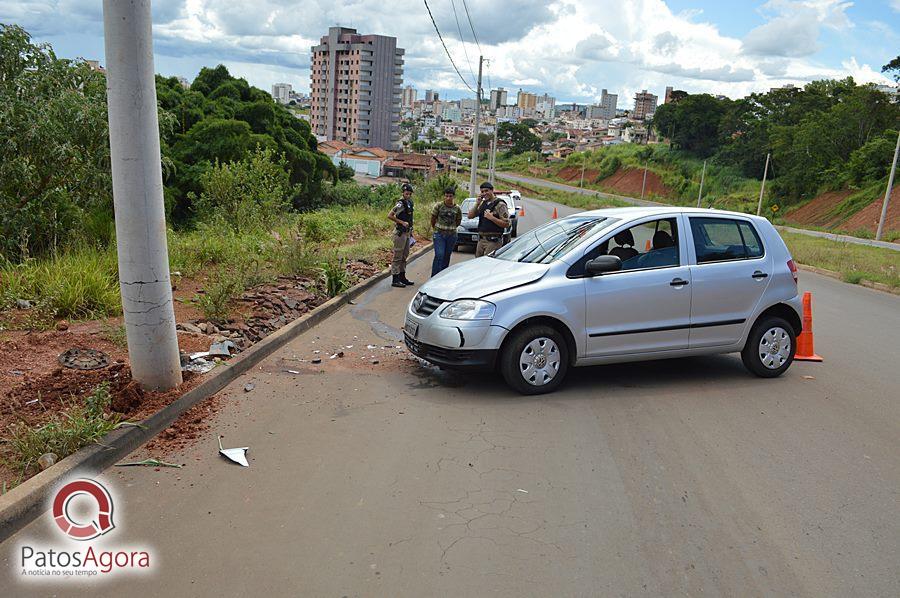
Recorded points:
568,48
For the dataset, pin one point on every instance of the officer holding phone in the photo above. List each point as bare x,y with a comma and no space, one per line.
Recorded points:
493,219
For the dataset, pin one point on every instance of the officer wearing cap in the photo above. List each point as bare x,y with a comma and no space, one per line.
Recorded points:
402,217
493,219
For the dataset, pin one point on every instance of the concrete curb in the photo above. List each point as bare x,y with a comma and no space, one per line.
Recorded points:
878,286
25,502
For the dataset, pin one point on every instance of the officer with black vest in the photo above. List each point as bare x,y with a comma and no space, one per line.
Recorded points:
402,216
493,219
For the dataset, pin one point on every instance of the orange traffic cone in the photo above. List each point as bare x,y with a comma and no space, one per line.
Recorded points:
555,216
522,210
805,349
647,246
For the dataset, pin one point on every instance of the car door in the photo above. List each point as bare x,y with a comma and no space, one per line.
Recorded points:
730,272
646,306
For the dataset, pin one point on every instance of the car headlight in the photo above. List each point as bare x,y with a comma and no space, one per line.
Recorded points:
469,309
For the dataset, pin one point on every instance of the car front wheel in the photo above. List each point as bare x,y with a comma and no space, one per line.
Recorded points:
535,360
770,347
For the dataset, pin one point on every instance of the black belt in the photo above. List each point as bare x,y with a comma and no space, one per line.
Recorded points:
492,239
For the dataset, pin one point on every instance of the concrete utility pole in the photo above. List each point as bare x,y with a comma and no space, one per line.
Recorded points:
702,178
887,194
138,195
762,189
583,166
644,183
473,182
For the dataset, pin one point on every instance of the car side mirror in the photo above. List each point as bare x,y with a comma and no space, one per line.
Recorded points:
602,265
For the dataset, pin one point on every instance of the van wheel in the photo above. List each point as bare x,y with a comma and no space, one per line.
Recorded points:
770,347
535,360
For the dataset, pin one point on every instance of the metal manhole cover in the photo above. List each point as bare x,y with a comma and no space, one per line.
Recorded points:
84,359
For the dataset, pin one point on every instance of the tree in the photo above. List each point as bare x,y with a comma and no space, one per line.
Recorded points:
54,151
517,138
345,171
893,68
692,123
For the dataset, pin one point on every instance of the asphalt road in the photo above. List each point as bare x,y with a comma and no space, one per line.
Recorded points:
685,477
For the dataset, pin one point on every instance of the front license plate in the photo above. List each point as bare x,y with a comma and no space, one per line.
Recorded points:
411,328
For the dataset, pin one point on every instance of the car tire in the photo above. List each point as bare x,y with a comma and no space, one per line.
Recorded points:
524,377
515,230
764,354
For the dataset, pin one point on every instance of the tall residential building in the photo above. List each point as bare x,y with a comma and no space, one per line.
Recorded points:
356,88
498,98
644,105
545,105
668,97
608,105
430,96
282,92
525,100
409,96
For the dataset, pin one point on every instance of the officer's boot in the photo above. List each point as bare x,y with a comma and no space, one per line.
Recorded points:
405,280
395,282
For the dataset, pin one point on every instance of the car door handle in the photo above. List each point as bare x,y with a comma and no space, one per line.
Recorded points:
759,274
677,282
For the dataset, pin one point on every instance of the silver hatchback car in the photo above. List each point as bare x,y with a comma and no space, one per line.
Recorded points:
614,285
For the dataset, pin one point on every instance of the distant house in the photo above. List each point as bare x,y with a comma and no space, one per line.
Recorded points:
404,165
367,161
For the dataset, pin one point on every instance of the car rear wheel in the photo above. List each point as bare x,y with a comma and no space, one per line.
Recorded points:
515,230
770,347
535,360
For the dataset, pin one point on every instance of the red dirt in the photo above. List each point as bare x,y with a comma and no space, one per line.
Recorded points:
627,181
815,213
573,173
867,218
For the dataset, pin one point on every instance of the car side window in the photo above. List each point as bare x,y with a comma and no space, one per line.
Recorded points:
724,239
651,244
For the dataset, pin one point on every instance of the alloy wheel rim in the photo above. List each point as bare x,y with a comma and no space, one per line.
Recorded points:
774,348
539,361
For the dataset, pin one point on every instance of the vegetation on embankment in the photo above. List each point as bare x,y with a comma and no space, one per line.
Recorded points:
853,262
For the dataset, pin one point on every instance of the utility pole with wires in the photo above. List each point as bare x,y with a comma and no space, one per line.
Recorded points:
887,193
702,178
583,165
762,189
473,179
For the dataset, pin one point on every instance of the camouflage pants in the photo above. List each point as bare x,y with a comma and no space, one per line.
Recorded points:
401,252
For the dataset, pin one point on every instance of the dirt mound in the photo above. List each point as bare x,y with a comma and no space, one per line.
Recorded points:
573,173
628,181
867,218
815,213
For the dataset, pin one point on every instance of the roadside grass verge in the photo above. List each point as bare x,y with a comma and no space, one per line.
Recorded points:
81,424
853,262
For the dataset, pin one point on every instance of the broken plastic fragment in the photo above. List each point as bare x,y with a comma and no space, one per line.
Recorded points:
238,455
149,463
222,349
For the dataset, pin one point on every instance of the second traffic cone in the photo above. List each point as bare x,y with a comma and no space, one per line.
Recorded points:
522,210
805,349
555,216
647,246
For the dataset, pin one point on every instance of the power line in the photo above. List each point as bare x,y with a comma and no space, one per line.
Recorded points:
438,31
466,6
461,38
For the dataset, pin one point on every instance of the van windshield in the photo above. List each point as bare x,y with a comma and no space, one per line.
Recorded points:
553,240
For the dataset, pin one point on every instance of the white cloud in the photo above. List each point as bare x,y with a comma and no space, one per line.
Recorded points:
569,48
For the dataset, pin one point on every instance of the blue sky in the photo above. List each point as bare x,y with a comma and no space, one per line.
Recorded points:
569,48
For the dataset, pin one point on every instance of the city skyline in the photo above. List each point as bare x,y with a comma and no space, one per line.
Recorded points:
569,49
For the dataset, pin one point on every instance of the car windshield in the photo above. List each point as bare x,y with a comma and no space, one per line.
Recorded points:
552,240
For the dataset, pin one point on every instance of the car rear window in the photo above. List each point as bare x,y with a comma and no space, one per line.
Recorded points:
724,239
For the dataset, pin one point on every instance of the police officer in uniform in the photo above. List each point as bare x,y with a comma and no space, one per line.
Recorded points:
402,216
493,219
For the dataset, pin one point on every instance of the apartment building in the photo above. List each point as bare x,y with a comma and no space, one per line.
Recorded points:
356,87
409,96
498,98
644,105
282,92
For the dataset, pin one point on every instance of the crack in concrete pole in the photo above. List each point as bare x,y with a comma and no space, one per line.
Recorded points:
138,195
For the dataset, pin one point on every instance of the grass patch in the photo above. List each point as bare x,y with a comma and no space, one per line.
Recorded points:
78,284
853,262
64,434
114,333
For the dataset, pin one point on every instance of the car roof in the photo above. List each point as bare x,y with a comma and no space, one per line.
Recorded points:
635,212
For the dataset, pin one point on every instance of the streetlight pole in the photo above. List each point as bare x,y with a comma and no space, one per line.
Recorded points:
138,195
644,183
474,176
887,194
762,188
702,178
